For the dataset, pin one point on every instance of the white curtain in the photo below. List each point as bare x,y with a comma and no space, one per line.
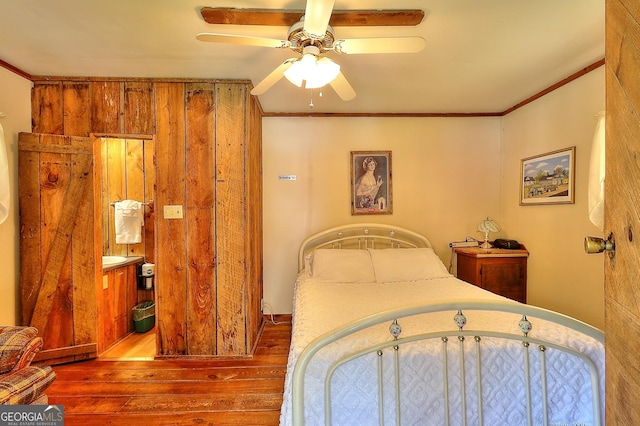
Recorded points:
597,175
5,191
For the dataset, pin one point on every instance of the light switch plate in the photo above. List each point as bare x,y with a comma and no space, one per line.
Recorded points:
172,212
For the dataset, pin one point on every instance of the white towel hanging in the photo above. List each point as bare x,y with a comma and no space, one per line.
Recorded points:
5,188
129,219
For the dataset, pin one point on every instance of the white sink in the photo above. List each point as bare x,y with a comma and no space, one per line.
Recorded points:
112,260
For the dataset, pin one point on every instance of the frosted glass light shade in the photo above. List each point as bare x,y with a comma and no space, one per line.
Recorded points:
315,72
325,72
300,69
487,226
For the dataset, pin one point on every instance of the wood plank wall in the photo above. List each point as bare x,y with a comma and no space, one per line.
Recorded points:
207,136
253,233
622,305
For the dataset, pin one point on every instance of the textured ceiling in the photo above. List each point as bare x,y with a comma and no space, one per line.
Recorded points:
480,56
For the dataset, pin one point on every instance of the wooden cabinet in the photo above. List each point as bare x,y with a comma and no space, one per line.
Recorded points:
115,305
500,271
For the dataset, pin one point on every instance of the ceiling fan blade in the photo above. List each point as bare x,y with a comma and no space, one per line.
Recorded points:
272,78
244,40
286,18
354,46
316,17
343,88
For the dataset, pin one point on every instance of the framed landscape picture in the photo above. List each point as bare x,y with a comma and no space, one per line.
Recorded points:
548,178
371,182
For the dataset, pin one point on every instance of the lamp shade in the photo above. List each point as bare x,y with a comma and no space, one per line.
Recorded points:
315,72
487,226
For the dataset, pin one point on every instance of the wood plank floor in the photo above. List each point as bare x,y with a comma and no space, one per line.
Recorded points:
134,347
177,392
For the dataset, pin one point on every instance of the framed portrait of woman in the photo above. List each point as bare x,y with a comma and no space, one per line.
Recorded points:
371,182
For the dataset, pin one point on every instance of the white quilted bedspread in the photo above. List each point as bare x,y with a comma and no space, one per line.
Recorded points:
321,306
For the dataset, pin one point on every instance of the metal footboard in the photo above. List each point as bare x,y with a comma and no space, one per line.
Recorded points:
471,344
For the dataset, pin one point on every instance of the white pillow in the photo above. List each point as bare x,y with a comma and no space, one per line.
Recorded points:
410,264
342,265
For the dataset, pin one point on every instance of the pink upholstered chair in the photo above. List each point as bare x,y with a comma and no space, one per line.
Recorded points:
20,382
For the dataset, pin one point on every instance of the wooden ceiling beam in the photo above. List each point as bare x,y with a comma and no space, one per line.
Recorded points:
286,18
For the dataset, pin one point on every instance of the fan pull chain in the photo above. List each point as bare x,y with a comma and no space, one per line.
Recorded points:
311,104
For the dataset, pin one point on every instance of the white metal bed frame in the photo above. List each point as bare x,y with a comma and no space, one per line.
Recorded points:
364,236
361,236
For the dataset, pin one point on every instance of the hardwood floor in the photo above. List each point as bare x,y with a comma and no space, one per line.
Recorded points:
134,347
177,392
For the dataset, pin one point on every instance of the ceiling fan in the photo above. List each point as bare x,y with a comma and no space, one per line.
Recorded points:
311,35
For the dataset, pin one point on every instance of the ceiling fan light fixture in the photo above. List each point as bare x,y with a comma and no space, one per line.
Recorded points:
325,72
301,69
310,35
315,72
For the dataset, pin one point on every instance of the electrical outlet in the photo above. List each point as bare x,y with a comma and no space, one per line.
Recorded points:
172,212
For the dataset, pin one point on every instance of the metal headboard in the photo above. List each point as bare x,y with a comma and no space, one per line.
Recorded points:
361,236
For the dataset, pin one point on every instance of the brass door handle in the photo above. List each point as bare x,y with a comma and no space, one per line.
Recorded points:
598,245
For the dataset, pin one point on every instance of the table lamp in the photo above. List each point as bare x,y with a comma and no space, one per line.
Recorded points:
487,226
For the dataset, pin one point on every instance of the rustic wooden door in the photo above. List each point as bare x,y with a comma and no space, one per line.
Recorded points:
622,214
60,241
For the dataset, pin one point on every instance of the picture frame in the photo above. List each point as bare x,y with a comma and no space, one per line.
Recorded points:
548,178
371,183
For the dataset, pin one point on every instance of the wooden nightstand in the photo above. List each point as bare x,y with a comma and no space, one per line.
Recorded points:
500,271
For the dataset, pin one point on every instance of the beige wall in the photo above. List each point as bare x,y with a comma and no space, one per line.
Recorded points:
15,103
561,276
449,173
446,179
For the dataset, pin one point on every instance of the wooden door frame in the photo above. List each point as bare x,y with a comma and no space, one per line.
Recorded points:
150,240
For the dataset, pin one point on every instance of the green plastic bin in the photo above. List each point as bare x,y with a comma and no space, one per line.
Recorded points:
144,316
